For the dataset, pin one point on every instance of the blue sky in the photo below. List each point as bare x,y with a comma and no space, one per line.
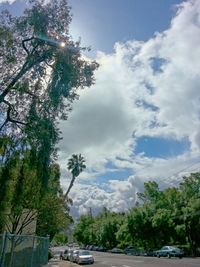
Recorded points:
101,23
140,121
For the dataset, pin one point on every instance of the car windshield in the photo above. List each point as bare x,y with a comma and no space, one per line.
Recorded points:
84,252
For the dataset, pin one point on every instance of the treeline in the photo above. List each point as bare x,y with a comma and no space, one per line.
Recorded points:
160,217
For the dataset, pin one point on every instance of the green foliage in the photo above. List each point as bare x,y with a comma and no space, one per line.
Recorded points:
39,79
60,239
51,217
84,230
23,190
151,192
37,69
170,216
123,235
190,189
100,230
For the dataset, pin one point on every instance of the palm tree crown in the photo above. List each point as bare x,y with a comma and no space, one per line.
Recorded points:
76,166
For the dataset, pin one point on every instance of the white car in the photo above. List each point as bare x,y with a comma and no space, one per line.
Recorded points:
84,256
73,255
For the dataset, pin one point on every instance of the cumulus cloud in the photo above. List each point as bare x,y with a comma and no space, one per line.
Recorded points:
142,89
120,195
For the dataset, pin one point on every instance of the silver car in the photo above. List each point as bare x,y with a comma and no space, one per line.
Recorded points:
72,255
84,256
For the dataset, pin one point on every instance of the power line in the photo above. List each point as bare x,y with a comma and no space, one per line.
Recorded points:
180,171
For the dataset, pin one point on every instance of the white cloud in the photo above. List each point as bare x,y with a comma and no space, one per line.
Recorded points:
163,73
119,195
7,1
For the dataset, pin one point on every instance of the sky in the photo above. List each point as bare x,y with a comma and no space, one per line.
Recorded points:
140,121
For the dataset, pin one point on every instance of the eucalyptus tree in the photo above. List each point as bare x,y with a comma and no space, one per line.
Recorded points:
41,68
76,165
40,64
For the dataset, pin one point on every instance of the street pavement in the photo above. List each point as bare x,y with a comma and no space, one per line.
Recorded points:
120,260
56,262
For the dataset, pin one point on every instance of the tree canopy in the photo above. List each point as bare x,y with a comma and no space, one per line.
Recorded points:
41,71
41,66
170,216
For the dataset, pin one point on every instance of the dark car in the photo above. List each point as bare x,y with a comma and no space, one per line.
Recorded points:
65,255
102,249
130,251
168,251
149,253
116,250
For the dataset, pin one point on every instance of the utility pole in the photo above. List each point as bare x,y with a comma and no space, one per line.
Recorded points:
90,212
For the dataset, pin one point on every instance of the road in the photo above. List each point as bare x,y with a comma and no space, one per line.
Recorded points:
121,260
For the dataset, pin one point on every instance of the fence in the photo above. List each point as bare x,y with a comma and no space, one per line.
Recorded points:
23,250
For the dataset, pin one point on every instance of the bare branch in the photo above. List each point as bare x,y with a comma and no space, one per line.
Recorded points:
27,220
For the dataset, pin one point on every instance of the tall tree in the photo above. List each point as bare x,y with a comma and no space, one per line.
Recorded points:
41,68
190,193
40,62
76,165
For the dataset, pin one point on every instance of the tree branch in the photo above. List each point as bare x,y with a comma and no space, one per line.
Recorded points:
4,124
23,44
27,220
10,109
29,63
8,118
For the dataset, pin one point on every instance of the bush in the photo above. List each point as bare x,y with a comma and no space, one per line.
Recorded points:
50,254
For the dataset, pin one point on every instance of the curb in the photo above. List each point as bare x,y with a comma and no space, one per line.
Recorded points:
60,263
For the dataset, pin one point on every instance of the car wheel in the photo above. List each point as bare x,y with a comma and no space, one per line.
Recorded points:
158,255
180,257
168,256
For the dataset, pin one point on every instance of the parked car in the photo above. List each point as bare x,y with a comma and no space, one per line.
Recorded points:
84,256
149,253
68,254
168,251
130,251
73,255
102,249
65,254
116,250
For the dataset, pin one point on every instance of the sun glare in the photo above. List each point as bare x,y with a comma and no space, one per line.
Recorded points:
62,44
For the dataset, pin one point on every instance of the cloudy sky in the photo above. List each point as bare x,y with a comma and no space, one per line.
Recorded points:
141,119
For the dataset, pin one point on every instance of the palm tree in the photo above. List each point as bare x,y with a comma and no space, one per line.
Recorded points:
76,166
